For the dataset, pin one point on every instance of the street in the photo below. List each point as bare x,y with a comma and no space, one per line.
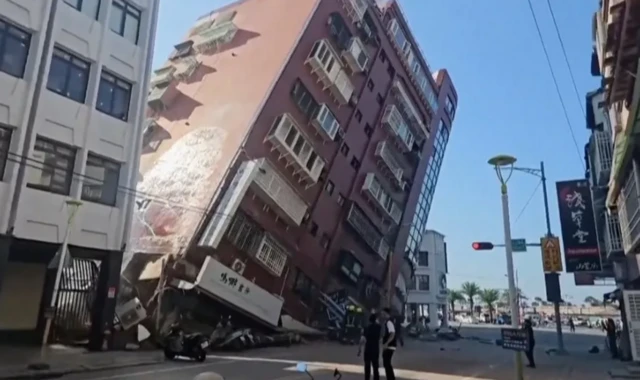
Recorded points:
461,360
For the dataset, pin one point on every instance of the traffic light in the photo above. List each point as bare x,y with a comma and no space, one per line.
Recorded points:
482,246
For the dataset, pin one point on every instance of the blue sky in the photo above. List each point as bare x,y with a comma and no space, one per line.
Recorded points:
507,104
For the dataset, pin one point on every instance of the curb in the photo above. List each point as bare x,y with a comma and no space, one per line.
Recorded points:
52,374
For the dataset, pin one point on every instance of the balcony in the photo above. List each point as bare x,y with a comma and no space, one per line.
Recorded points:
294,147
367,231
613,235
382,200
325,63
404,101
356,55
394,120
629,211
325,122
162,76
214,36
161,96
389,163
356,9
602,146
185,68
278,193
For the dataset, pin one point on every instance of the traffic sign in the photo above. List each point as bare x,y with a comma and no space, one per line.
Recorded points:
551,258
519,245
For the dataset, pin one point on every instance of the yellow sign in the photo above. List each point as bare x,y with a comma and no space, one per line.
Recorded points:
551,257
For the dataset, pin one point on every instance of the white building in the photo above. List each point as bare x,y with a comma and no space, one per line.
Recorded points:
73,86
428,295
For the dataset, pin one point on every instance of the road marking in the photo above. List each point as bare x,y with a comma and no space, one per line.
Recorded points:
161,370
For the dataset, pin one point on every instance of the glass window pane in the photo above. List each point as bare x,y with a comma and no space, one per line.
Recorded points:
57,75
131,27
77,87
105,96
15,56
91,8
120,104
117,16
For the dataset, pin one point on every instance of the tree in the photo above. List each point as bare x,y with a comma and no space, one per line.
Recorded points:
471,290
489,297
455,296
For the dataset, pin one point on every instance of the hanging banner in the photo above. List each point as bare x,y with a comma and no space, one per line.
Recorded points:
579,236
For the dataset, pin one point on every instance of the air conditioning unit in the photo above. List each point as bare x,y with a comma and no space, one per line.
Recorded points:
238,266
131,313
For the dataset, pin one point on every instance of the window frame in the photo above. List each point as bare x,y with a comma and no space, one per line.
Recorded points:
348,271
9,31
304,287
425,255
420,279
116,82
304,101
108,161
127,9
6,133
75,62
69,171
79,7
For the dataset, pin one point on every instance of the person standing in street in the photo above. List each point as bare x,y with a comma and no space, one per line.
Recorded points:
399,329
572,325
389,344
528,328
371,341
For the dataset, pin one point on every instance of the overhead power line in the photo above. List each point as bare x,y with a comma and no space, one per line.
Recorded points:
524,208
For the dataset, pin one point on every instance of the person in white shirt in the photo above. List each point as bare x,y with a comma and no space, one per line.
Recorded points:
389,344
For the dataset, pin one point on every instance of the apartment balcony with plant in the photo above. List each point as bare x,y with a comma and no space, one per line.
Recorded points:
295,149
278,193
381,199
367,231
395,122
389,163
325,62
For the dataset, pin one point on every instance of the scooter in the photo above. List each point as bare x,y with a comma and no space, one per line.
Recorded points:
177,343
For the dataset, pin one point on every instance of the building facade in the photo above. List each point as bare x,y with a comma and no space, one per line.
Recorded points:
427,294
73,78
303,175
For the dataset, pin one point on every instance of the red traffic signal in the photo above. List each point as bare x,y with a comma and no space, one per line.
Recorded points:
482,246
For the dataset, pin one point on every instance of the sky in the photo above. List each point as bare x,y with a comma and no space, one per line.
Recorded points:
507,105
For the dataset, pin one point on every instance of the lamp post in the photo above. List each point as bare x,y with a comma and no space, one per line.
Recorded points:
72,208
504,165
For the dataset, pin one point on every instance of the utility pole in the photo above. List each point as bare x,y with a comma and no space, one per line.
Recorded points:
556,304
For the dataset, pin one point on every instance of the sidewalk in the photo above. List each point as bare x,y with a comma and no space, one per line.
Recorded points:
23,363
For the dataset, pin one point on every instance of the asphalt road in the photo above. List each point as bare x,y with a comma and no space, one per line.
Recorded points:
461,360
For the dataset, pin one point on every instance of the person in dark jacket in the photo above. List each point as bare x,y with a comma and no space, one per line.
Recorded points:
371,341
528,327
398,327
612,338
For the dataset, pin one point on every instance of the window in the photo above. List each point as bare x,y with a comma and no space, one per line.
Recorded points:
5,142
358,115
368,130
304,287
52,168
450,107
383,56
325,240
125,20
379,99
344,149
313,230
423,282
90,8
370,85
14,49
423,258
303,99
101,180
114,96
391,71
350,266
339,31
355,163
329,187
68,75
340,199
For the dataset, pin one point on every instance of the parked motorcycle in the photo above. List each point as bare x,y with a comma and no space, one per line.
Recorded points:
177,343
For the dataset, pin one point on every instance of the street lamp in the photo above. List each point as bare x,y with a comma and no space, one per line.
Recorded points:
503,165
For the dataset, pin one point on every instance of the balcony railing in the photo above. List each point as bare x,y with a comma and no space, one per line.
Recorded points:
160,97
373,188
295,148
185,68
325,63
356,9
393,119
629,211
603,149
325,122
356,55
213,37
367,231
405,102
613,234
279,193
162,76
386,156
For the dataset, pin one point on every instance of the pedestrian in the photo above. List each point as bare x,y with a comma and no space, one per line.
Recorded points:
572,325
399,329
612,338
388,344
528,328
371,341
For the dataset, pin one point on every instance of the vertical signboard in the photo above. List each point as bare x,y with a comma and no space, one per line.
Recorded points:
579,236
